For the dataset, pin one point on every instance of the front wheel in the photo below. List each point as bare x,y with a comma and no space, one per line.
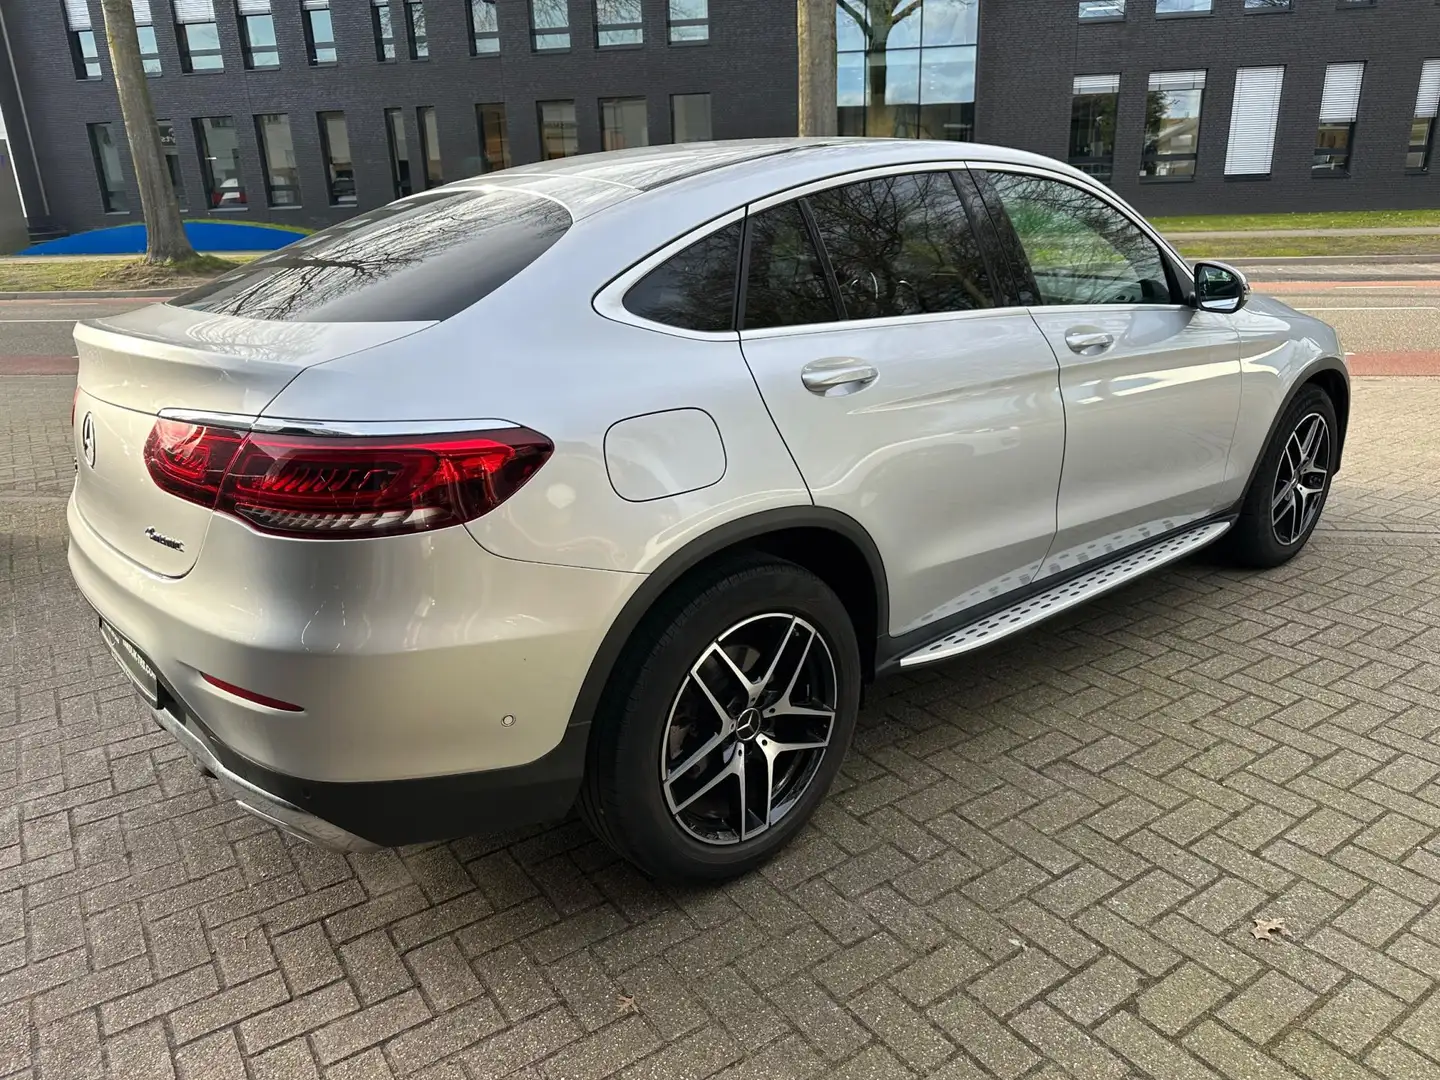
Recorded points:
726,722
1289,490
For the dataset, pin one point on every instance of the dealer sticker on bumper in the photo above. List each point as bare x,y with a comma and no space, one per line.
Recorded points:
133,663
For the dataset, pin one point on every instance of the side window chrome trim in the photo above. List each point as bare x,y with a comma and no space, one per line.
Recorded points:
609,302
1105,195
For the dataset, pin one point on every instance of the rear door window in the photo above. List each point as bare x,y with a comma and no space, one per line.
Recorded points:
902,245
695,288
420,260
785,283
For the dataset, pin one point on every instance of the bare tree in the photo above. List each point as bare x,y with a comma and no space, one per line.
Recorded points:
166,241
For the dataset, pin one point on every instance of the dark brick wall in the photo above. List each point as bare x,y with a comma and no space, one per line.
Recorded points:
1031,50
748,68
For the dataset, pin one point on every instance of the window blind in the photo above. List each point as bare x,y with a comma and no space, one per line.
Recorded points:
194,11
77,14
1427,102
142,12
1341,100
254,7
1097,84
1177,80
1252,121
315,5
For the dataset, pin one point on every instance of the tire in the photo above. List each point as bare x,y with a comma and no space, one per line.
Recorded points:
1261,539
672,695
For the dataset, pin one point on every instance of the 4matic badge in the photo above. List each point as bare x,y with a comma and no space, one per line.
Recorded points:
162,539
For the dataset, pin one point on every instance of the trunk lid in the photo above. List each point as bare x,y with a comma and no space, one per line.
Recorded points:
161,357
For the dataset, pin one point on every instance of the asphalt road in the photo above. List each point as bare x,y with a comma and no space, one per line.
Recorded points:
1391,327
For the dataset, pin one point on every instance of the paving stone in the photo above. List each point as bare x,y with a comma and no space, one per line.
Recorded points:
1266,1006
1354,1015
1180,997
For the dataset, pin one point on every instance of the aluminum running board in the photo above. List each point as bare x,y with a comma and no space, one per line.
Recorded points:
1075,591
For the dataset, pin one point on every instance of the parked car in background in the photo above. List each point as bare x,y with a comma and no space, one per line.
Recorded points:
612,480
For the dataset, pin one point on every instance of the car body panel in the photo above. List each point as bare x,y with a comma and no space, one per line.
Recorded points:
1148,421
406,653
950,459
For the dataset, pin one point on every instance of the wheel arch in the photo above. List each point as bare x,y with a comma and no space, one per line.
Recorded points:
1330,375
831,545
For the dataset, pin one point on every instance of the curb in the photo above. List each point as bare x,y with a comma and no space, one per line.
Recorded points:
1330,260
92,294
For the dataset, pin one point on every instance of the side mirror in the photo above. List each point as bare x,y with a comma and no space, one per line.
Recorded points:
1219,287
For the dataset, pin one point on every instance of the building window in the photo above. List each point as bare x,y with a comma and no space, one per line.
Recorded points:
1182,7
145,33
166,131
1102,9
399,153
257,35
617,23
557,130
339,165
484,28
1172,124
623,123
84,53
689,22
549,25
384,31
277,159
219,146
430,145
107,168
690,118
1339,105
1253,117
198,36
1092,124
494,138
415,23
908,77
319,32
1422,131
1267,5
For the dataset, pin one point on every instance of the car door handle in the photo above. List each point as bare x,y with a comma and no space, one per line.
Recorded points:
1089,342
837,376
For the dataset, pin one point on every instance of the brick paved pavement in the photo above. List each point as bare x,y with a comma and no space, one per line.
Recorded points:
1041,862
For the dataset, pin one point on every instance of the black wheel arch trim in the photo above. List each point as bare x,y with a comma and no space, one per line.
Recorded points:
729,535
1342,412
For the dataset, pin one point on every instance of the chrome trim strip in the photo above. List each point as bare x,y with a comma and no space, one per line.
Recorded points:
880,324
1062,597
285,425
257,801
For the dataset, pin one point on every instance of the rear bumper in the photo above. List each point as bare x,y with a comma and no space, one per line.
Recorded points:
364,816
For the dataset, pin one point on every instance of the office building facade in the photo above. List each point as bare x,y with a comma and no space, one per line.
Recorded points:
305,111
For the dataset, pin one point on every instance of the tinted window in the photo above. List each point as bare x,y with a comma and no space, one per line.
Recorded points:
786,283
695,289
422,259
902,245
1080,248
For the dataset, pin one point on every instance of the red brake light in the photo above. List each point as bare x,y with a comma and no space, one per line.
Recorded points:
74,401
343,487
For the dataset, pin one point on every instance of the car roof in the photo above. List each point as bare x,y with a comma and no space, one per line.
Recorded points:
588,183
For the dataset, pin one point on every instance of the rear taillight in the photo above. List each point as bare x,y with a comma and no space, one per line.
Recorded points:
74,401
343,487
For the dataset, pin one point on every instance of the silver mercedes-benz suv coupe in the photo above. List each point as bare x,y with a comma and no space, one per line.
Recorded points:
611,481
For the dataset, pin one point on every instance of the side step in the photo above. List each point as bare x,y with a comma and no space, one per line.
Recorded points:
1071,593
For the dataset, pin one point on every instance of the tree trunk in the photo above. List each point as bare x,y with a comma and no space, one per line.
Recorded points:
816,31
166,241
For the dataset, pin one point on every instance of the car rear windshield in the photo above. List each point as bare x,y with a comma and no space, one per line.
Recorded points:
420,260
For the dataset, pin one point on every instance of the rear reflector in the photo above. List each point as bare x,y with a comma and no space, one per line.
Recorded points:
322,488
250,695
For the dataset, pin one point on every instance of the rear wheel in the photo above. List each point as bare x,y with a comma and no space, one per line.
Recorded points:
725,723
1289,490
